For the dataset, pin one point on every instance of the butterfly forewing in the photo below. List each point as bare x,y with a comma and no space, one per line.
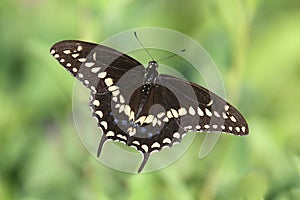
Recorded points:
96,66
205,111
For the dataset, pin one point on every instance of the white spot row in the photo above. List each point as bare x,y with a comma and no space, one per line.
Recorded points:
135,143
112,134
214,126
183,111
172,113
150,119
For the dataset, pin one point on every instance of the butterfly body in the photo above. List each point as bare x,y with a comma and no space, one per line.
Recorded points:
140,107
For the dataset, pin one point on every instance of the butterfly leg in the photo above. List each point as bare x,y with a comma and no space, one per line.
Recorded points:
145,159
103,139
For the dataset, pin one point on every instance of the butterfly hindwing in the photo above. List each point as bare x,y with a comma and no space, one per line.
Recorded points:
147,131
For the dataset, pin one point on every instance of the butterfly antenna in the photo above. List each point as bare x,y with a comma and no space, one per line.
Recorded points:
183,50
135,34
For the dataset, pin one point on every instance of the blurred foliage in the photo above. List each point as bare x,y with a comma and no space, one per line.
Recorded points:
256,45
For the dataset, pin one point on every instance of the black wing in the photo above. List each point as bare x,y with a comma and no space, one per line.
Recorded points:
110,75
119,122
96,66
203,110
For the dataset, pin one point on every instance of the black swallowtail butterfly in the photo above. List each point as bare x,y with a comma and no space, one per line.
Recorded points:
140,107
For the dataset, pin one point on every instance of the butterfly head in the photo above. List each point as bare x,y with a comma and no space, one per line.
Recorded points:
153,65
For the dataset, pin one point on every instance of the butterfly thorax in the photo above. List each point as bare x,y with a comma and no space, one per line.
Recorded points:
149,81
151,73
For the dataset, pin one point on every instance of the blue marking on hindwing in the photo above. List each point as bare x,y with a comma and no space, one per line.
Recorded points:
124,122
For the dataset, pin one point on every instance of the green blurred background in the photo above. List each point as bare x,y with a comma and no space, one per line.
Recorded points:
255,44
